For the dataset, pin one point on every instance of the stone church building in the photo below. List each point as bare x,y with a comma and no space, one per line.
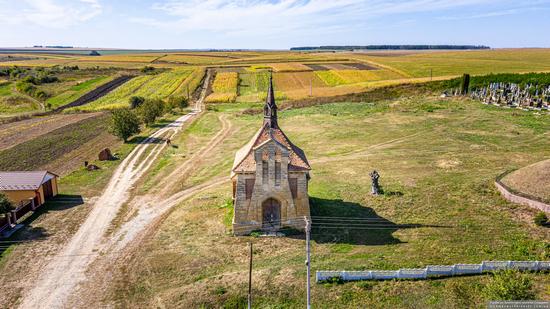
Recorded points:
270,179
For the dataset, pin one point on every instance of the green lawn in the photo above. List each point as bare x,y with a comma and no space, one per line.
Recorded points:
437,160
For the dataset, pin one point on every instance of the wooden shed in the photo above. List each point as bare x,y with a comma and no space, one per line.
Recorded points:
25,186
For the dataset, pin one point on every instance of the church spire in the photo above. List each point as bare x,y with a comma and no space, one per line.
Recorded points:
270,108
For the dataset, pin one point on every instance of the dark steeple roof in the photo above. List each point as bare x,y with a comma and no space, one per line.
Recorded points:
270,108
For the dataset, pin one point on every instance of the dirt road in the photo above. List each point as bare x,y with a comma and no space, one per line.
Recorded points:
68,268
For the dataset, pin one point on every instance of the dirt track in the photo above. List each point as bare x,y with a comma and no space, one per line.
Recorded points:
67,270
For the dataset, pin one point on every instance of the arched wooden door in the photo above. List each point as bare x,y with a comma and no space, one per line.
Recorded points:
271,214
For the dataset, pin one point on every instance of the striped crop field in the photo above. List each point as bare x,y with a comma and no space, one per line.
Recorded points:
196,59
142,58
224,88
78,90
158,86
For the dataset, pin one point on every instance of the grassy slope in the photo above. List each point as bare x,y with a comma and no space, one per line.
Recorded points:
437,172
533,179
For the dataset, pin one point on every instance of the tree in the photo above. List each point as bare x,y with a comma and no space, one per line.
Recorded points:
150,110
124,123
136,101
5,204
147,69
177,102
465,84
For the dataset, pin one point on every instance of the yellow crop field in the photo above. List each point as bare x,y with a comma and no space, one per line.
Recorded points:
297,80
459,62
289,67
225,97
226,82
224,88
121,58
344,77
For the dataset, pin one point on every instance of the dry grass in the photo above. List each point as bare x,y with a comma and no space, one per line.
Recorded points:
533,179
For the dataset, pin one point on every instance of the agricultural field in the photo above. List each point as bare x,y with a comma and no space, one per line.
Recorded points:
224,88
345,77
154,86
456,63
435,156
76,90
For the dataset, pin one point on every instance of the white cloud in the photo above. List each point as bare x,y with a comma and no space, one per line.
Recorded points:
49,13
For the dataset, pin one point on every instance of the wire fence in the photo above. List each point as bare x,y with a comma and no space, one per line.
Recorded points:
432,271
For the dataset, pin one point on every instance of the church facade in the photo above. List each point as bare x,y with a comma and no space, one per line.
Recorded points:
270,179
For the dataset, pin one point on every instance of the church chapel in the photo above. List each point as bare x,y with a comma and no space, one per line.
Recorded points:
270,179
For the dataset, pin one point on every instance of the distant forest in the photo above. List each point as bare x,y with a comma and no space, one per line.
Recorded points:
391,47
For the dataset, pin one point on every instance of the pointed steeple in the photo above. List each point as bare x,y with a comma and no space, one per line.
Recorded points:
270,108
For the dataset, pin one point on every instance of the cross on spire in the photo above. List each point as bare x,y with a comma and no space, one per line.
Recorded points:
270,108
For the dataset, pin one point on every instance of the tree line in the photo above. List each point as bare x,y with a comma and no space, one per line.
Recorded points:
390,47
126,122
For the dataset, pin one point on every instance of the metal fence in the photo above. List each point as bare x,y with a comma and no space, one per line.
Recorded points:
433,271
3,223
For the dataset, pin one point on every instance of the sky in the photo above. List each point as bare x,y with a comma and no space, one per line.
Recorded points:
272,24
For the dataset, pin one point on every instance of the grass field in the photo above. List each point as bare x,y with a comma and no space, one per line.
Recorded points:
438,160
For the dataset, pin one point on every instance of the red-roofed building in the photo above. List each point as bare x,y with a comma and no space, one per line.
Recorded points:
270,179
22,187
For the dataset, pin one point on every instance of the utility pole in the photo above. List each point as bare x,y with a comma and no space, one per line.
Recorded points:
250,278
187,91
311,87
431,74
308,229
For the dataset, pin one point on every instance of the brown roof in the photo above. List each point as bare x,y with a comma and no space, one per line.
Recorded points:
14,181
244,159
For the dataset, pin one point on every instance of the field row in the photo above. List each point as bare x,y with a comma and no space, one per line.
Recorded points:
159,86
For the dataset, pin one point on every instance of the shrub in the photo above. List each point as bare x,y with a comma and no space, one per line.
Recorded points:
124,123
136,101
147,69
177,102
509,285
150,110
541,218
5,204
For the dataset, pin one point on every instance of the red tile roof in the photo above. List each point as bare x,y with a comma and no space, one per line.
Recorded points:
15,181
244,159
